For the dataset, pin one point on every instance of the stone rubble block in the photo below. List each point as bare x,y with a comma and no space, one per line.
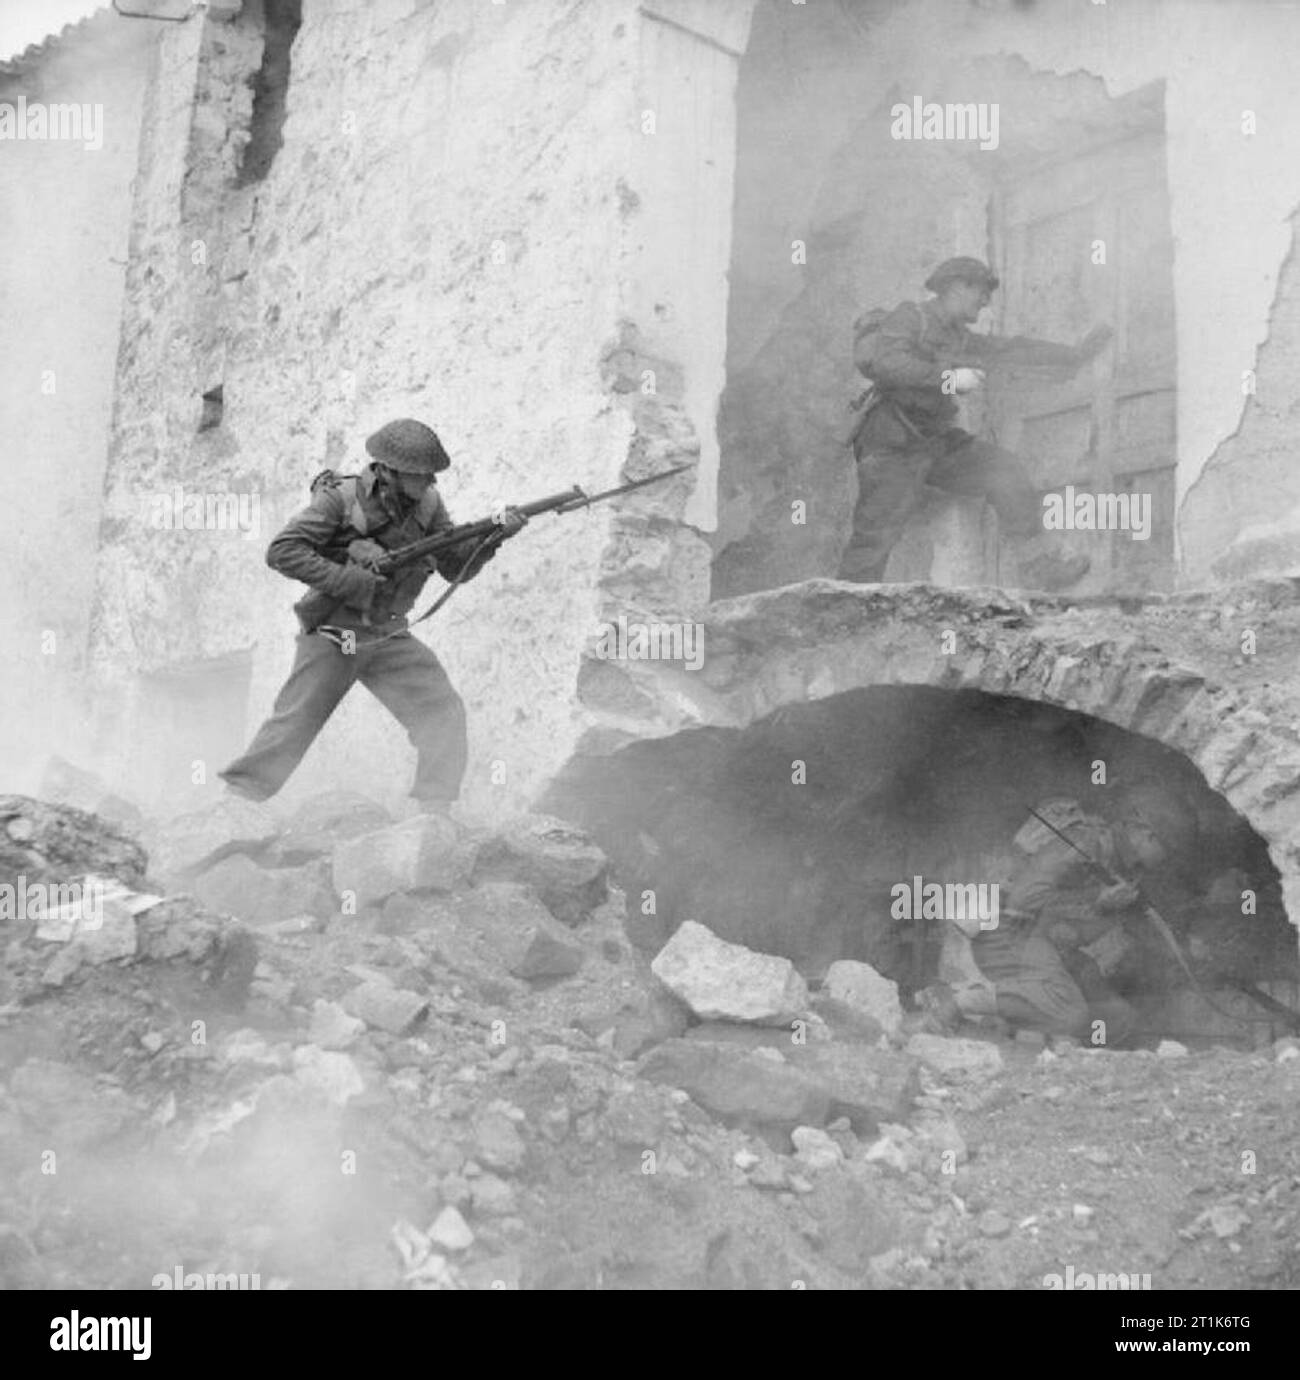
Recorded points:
638,1021
896,1147
181,848
859,985
973,1058
57,844
738,1086
816,1149
247,1046
178,927
869,1086
523,935
335,1076
331,1026
424,852
491,1196
560,862
940,1134
114,937
386,1007
451,1231
497,1143
632,1119
723,981
264,895
846,1022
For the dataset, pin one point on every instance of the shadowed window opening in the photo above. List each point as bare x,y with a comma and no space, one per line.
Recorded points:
213,406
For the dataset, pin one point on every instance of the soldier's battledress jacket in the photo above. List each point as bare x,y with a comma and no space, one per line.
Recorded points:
906,354
1055,884
313,545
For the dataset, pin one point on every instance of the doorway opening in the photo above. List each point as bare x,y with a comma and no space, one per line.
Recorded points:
834,215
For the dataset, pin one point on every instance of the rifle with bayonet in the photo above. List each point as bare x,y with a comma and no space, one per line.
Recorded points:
1162,927
316,607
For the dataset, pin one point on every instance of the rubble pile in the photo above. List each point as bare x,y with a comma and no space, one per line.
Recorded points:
434,1060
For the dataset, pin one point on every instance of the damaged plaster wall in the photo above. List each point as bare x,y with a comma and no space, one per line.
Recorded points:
683,189
1231,194
373,273
1241,517
64,218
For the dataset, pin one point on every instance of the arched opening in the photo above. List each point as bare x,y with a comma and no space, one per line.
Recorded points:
791,835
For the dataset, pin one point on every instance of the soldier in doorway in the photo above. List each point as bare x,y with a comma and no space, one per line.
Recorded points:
916,358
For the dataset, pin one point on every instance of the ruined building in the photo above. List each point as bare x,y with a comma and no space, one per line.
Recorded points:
586,239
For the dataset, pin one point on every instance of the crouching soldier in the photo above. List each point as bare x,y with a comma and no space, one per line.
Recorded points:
916,357
332,545
1061,930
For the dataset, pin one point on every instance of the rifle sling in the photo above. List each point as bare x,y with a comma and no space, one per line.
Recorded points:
492,539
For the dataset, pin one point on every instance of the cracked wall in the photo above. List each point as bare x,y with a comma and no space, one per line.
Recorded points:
1232,192
1231,195
65,213
1241,517
376,271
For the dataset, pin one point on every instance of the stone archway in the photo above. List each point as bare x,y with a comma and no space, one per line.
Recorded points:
1210,676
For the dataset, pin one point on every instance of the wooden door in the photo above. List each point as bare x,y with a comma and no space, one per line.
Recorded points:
1110,429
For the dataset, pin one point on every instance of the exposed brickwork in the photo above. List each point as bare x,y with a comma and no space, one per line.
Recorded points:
1168,669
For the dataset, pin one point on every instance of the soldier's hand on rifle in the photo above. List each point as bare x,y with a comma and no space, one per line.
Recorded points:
966,380
366,553
1119,896
511,521
358,586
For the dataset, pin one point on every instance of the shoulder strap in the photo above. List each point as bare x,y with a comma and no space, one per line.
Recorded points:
346,484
